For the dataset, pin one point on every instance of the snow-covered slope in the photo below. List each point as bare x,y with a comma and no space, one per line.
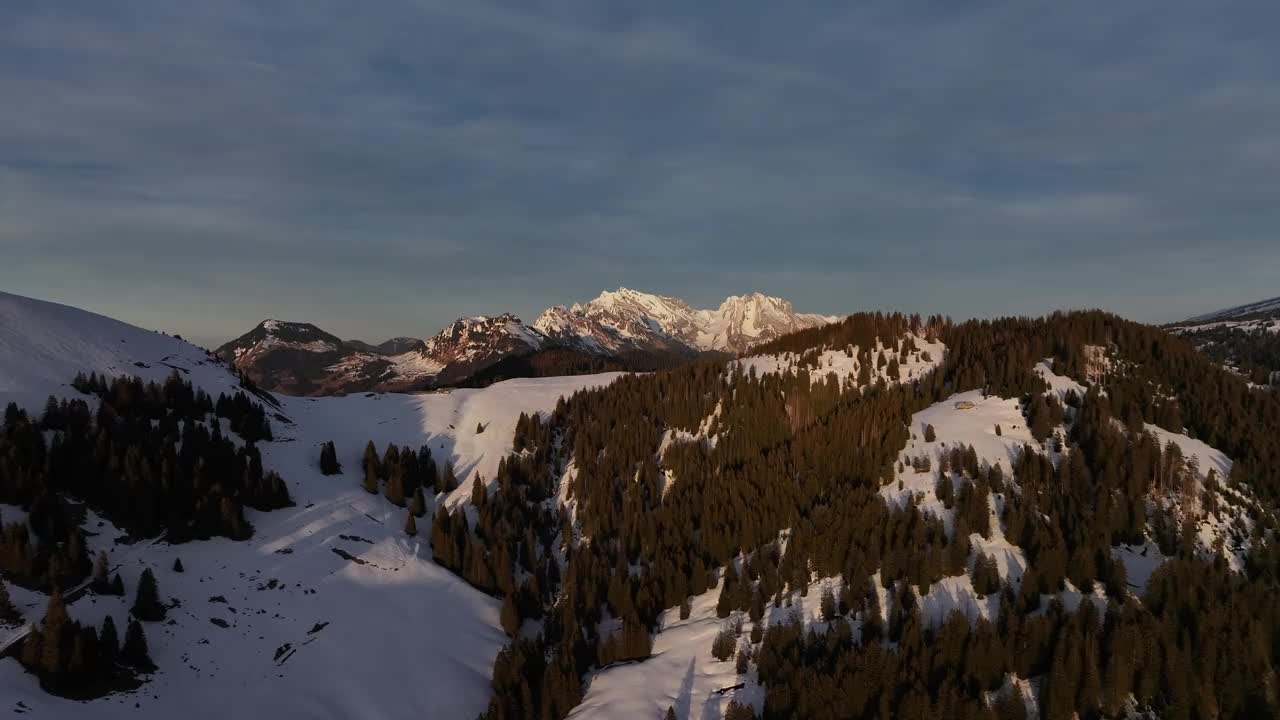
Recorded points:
846,366
43,345
1251,310
631,320
1244,340
329,610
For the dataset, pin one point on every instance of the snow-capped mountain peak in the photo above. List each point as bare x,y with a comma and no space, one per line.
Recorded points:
300,358
274,334
477,338
627,319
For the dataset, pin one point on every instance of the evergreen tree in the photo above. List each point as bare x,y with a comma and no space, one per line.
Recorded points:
135,653
410,525
372,469
177,565
101,582
329,464
146,603
827,604
725,642
56,630
510,615
394,489
9,614
419,505
108,641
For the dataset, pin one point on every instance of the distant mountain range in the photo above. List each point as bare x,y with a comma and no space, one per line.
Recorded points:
624,329
1261,310
1245,339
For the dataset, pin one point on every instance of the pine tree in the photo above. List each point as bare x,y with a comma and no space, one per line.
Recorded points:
55,629
146,603
117,586
449,482
372,469
929,434
394,490
78,662
9,614
410,525
671,713
329,464
108,641
177,565
101,582
827,604
510,615
370,482
418,507
135,653
725,642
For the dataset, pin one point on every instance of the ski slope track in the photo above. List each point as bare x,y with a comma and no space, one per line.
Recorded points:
329,610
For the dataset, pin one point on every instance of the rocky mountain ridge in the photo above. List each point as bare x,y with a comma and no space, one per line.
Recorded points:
624,327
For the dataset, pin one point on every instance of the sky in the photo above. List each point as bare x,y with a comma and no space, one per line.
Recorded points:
382,168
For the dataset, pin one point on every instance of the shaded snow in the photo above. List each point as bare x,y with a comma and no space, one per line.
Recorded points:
682,674
1206,456
405,638
1140,561
1059,385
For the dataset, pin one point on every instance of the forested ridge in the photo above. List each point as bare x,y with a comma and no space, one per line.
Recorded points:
770,491
152,458
1254,350
804,460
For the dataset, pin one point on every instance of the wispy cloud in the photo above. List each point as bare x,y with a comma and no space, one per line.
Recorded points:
381,169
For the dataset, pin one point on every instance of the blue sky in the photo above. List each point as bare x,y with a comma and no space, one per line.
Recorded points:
381,168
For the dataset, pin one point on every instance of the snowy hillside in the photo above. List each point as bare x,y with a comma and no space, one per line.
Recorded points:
329,610
1250,310
1245,339
43,345
848,364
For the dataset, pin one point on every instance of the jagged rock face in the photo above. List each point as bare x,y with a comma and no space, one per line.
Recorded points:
472,344
301,359
622,320
297,359
746,320
631,320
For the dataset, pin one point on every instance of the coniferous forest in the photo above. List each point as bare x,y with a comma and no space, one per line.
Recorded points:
630,500
153,459
790,492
